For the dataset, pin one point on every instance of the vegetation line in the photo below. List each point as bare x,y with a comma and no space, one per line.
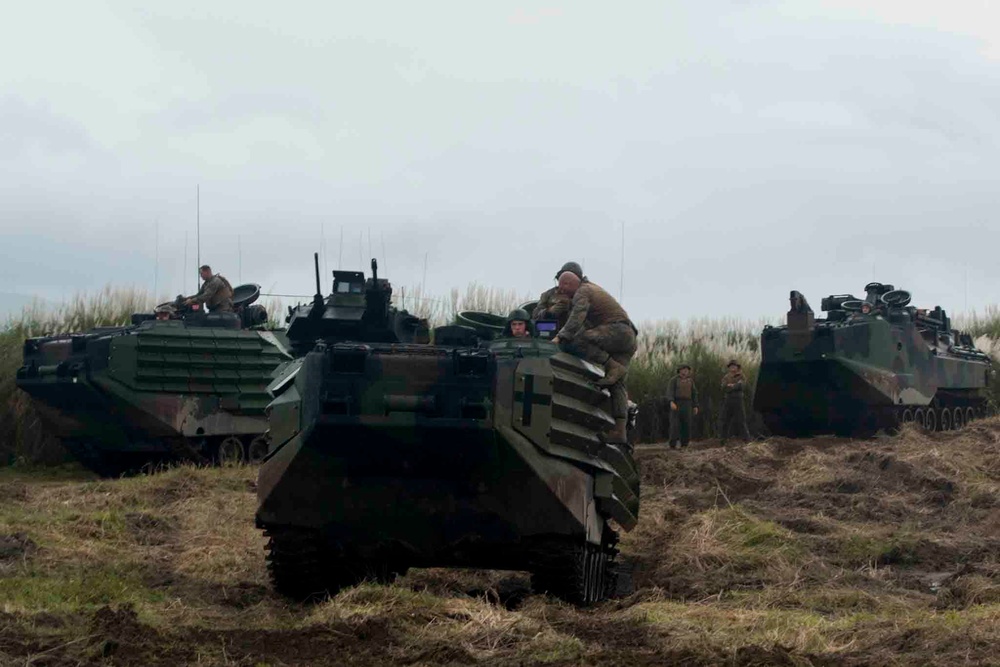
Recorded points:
704,343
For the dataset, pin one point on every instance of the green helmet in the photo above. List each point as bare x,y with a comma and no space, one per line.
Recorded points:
572,267
518,314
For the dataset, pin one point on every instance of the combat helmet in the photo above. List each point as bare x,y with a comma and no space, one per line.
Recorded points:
518,314
572,267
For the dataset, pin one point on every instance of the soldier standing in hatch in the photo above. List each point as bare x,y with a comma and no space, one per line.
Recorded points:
599,330
734,418
518,325
216,292
555,306
164,312
683,396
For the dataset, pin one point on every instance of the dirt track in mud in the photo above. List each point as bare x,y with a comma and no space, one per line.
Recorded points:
809,552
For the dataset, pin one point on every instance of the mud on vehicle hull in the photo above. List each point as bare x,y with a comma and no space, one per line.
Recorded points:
422,456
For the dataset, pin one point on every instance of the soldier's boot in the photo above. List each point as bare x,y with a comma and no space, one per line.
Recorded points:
613,372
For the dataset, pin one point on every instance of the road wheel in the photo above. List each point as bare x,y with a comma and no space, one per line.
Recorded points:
931,420
906,417
257,449
946,422
230,452
970,414
920,417
957,419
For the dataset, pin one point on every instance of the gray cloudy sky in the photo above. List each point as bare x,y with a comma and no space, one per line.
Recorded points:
748,147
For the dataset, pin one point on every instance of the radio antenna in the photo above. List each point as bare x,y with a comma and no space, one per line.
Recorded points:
966,291
340,255
322,246
621,279
156,255
385,264
198,237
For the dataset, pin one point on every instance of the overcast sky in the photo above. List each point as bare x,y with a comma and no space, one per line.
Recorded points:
747,147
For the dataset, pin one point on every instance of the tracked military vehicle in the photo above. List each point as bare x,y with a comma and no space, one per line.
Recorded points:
473,451
872,363
192,386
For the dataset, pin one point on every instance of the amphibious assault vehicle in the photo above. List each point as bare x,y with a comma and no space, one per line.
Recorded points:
388,451
872,363
189,387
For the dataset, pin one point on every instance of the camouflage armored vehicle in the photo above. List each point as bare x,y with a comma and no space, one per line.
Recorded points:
192,386
389,452
872,363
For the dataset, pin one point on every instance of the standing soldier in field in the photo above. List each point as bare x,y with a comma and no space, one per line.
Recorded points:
598,329
555,306
734,418
683,396
216,292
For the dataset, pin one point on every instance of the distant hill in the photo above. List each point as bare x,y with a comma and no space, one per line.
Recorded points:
11,304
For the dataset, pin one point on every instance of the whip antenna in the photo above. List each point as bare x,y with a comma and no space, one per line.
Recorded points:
198,237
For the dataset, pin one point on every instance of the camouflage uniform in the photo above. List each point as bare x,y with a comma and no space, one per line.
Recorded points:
552,306
599,330
555,306
733,420
217,294
684,393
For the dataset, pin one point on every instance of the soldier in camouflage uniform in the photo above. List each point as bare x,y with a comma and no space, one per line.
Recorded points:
164,311
518,325
599,330
555,306
216,292
733,419
683,396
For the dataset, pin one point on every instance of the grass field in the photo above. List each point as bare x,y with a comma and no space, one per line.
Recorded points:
814,552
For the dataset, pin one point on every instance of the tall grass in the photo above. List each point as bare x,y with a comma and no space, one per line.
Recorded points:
438,310
982,324
705,344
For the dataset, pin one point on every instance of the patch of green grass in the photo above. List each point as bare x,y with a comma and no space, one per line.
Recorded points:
75,589
896,548
750,540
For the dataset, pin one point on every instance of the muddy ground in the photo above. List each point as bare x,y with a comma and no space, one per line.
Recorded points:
782,552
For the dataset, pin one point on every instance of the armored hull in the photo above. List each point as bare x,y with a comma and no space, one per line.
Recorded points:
124,397
392,456
861,370
387,454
